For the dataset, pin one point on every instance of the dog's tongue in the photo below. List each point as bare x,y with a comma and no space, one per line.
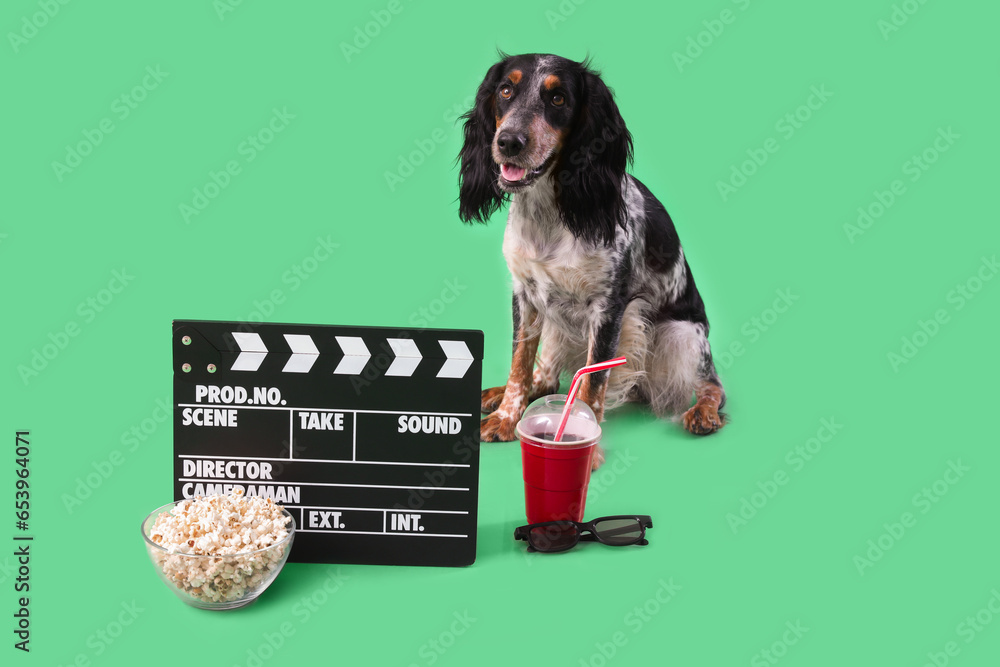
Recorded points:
512,173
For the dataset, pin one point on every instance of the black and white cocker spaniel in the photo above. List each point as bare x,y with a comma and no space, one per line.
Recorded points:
598,269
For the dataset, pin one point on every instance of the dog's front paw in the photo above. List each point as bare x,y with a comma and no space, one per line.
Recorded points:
496,428
491,399
702,420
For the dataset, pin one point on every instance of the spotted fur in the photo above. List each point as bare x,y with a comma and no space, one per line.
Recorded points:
598,269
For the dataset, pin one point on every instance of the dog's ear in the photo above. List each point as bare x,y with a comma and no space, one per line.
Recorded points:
592,165
479,195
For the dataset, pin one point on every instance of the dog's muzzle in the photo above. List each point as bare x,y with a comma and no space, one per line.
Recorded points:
515,177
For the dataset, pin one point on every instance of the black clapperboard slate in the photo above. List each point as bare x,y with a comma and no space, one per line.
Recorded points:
368,436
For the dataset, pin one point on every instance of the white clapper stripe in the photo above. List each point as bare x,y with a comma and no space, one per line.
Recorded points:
252,351
459,359
356,355
304,353
407,357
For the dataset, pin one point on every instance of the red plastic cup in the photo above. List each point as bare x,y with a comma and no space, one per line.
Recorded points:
556,474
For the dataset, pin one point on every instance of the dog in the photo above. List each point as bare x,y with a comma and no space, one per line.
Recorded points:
598,270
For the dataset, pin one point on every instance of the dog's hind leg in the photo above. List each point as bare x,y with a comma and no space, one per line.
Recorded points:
499,425
704,417
681,366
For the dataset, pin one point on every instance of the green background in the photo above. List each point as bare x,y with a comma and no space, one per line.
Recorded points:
361,115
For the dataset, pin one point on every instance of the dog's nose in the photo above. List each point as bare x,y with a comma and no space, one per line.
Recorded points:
511,143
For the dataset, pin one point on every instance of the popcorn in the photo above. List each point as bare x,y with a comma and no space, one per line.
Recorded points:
232,527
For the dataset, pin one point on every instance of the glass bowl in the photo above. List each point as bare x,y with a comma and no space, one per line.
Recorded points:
217,582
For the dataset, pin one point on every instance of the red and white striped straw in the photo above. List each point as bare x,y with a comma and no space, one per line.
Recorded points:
593,368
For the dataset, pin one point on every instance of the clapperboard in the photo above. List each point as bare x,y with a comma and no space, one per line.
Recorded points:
368,436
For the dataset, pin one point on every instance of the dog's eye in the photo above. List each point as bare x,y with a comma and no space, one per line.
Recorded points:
558,100
506,92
